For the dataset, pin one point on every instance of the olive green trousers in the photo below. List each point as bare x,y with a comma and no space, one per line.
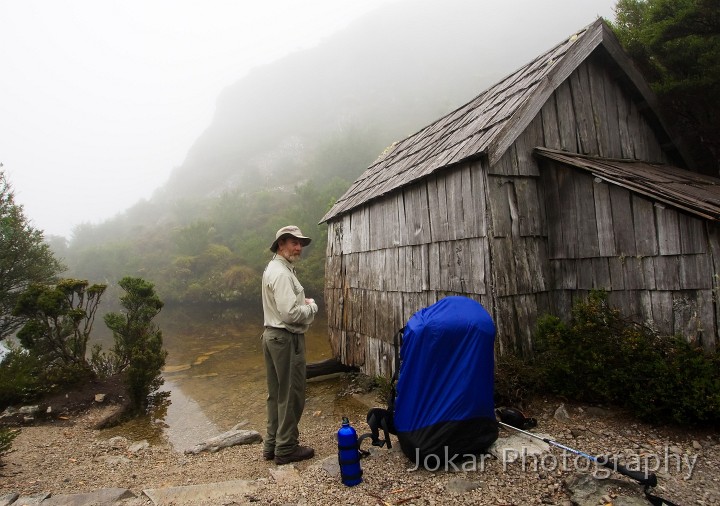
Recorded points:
285,365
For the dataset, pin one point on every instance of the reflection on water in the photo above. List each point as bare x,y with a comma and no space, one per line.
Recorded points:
215,376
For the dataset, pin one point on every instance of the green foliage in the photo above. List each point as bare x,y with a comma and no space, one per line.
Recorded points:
599,356
515,381
22,378
138,349
676,45
24,258
6,439
59,319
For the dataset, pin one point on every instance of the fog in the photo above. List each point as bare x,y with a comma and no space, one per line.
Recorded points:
100,101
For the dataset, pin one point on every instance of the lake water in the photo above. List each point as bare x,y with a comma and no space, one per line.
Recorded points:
215,376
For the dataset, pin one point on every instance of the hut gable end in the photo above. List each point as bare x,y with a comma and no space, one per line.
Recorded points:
559,179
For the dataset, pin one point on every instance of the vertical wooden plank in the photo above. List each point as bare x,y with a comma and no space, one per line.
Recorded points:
402,229
668,230
551,129
499,206
585,279
505,281
434,265
568,211
347,233
603,215
528,207
587,233
456,217
472,222
692,235
622,220
422,230
522,149
580,87
645,230
599,107
548,179
617,278
633,273
523,275
478,255
477,177
649,275
601,274
695,272
637,134
667,272
662,311
614,148
443,228
627,149
706,321
566,117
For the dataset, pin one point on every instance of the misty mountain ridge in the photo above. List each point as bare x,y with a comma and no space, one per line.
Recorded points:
386,75
291,136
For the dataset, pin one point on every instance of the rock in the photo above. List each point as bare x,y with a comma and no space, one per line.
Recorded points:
509,449
29,410
226,439
461,485
331,466
194,494
112,460
285,474
139,446
9,411
118,442
696,445
7,499
585,490
675,449
102,496
99,397
31,500
561,414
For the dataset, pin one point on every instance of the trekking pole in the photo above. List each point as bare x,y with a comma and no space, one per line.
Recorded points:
644,478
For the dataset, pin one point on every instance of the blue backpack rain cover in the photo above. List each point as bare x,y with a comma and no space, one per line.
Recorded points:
444,403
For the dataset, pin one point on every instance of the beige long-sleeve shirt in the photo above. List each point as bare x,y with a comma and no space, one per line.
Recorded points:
283,298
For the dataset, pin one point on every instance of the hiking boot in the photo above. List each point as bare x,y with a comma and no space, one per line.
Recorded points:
268,455
298,454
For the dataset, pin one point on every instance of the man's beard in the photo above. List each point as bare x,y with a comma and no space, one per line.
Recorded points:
293,258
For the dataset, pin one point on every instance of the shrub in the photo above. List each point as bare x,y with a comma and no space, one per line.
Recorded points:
138,346
600,356
21,378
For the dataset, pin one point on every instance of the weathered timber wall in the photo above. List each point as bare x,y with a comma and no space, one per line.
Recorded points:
523,239
400,254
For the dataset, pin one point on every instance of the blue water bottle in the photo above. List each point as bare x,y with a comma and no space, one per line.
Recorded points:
348,454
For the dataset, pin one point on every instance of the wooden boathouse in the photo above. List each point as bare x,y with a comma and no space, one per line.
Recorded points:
559,179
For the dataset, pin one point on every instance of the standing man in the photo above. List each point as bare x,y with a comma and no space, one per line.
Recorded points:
288,315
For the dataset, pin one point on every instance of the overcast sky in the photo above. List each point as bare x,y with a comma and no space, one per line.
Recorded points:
100,99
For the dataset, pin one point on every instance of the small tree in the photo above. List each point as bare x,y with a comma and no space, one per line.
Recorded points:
138,341
676,45
24,258
59,320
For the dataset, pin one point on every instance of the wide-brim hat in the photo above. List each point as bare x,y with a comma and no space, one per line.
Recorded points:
289,230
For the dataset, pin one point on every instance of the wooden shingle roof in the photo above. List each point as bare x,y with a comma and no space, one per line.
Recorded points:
683,189
488,124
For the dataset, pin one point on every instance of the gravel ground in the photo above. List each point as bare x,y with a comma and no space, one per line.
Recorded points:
68,456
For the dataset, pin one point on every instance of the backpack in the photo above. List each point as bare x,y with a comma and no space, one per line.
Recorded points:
442,405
